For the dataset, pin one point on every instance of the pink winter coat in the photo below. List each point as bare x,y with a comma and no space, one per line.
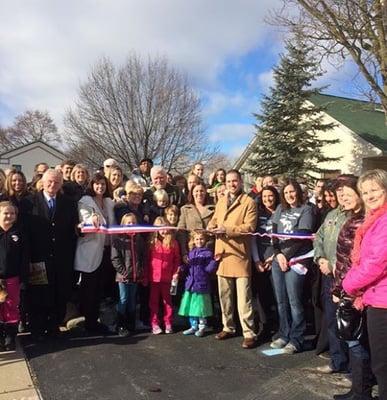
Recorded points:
370,276
163,262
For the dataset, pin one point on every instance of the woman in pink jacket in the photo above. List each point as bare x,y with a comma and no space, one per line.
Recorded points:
368,276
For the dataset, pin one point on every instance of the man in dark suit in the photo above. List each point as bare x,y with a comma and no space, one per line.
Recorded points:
51,226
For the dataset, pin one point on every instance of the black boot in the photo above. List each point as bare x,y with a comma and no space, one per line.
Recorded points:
122,326
10,337
362,380
131,321
2,337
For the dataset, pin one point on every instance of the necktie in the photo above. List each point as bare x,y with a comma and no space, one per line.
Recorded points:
51,205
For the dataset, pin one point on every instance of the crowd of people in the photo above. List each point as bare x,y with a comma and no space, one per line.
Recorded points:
272,263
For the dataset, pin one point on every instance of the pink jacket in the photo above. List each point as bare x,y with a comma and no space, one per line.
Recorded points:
370,276
163,262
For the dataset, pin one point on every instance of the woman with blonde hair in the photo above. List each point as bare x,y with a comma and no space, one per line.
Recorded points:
132,203
76,186
2,184
115,178
16,192
367,278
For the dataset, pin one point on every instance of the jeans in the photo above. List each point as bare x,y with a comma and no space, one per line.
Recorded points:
127,298
357,349
288,288
337,348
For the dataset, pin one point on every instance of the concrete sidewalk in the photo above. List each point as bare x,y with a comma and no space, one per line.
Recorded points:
15,378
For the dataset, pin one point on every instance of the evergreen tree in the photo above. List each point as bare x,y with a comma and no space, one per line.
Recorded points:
287,141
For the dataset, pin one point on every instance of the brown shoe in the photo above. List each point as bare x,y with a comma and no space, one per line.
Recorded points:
249,343
223,335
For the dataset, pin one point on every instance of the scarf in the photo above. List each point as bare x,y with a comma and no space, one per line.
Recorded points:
369,221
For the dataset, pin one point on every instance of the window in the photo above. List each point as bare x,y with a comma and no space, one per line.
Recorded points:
18,167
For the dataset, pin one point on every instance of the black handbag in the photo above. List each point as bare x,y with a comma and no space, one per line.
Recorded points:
350,321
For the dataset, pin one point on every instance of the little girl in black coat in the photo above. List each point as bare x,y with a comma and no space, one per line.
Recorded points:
13,273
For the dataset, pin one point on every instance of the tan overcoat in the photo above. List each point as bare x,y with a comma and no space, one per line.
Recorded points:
240,217
191,219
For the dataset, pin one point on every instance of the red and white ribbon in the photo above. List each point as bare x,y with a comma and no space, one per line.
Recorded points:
132,229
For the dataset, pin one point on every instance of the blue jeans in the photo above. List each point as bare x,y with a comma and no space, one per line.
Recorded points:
357,349
127,298
337,347
288,288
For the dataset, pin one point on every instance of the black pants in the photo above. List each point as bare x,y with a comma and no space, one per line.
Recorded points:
90,296
377,334
109,285
46,307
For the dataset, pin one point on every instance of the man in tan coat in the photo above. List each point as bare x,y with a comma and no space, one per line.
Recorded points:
234,215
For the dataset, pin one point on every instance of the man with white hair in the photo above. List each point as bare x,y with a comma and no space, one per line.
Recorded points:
51,227
159,181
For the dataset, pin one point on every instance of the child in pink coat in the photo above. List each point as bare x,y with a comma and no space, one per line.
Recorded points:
163,263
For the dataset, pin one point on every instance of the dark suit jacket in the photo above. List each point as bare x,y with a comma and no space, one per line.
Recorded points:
53,239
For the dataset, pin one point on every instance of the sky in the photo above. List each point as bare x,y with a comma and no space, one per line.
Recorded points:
47,48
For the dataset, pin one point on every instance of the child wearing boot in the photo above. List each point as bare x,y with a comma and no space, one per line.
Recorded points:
13,273
196,302
128,260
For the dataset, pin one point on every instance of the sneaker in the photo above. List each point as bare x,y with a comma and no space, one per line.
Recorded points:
190,331
278,344
123,332
168,330
156,330
200,332
344,381
290,349
325,369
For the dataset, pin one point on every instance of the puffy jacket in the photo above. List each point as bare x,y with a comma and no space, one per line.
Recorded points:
200,266
370,276
128,257
325,243
163,262
344,249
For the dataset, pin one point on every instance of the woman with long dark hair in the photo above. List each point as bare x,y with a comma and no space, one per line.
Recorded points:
194,215
92,255
263,254
290,217
359,359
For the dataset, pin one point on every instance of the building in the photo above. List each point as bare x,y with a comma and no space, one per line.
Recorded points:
24,158
360,128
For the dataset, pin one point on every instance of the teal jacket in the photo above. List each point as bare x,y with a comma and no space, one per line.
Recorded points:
325,243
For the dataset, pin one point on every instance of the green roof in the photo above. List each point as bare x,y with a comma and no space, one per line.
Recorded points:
362,117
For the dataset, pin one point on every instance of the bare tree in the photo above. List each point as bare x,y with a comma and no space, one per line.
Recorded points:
140,109
31,126
345,28
4,142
